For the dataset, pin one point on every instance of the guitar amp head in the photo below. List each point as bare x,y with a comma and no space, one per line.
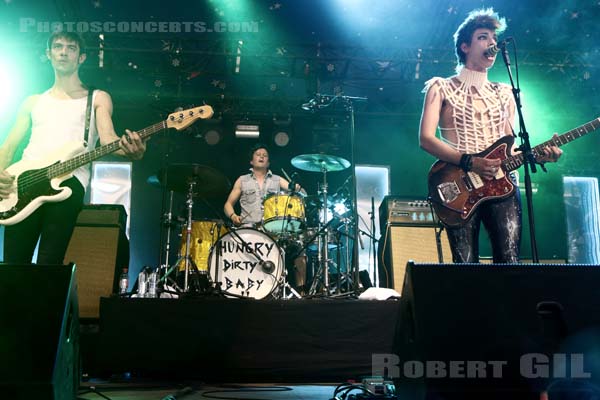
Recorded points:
406,211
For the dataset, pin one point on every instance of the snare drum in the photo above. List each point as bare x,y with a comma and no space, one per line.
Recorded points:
246,262
283,213
204,235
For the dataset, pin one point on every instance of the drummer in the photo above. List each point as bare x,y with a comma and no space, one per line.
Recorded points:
250,189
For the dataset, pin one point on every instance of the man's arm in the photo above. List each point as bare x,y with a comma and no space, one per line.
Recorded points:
15,136
131,145
233,198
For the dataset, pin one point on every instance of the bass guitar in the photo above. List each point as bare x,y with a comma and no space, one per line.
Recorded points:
456,194
38,181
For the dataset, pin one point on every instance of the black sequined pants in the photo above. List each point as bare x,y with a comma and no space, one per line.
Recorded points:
502,221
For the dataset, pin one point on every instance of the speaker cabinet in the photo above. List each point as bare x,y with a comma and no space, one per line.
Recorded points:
400,244
100,249
497,313
39,334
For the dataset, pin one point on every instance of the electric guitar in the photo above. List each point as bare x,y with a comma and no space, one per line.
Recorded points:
38,181
456,194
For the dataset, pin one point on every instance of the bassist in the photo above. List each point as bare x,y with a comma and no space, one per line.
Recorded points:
56,118
472,113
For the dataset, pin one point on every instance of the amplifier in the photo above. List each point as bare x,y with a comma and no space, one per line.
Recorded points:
100,249
402,211
103,215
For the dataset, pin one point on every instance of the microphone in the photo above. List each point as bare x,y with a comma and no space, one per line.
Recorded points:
496,48
360,241
292,183
347,181
310,106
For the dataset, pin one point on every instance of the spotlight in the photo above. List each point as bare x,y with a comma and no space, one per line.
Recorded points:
281,138
212,137
249,131
281,131
340,208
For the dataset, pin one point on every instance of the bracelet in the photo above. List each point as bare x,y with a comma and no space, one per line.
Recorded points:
466,162
231,216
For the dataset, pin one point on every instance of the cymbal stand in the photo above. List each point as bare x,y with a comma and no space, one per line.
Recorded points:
188,233
347,276
323,250
168,224
168,220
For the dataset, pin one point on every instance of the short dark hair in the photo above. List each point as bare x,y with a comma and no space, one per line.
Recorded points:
70,36
256,147
485,18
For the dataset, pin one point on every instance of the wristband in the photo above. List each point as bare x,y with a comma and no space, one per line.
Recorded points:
466,162
231,216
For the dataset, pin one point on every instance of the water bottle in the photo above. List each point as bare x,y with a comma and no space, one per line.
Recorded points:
152,281
124,281
142,283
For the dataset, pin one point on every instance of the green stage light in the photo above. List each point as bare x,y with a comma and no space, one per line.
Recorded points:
10,84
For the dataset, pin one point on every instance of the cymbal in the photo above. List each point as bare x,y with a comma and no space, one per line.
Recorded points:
320,163
207,181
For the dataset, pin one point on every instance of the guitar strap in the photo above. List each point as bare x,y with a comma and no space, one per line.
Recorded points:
88,115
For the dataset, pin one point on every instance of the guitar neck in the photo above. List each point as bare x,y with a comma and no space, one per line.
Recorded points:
65,167
514,162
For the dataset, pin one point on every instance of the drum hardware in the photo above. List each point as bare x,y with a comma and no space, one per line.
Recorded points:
164,269
285,286
188,237
345,277
321,163
348,103
195,181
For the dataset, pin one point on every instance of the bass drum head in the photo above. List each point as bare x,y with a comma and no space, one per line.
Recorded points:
246,263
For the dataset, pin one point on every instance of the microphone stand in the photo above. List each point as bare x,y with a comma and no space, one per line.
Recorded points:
528,157
321,101
373,243
355,264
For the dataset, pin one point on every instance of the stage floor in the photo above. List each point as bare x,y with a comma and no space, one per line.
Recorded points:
198,391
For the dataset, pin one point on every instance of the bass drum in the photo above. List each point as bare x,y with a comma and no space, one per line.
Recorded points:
246,263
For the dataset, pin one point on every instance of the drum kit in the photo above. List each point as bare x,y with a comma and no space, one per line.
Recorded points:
215,257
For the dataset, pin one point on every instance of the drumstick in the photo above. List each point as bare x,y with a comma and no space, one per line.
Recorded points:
243,217
286,175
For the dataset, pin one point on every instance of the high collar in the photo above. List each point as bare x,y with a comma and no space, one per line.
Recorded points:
472,78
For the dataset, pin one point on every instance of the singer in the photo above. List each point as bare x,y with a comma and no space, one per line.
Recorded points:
250,190
472,113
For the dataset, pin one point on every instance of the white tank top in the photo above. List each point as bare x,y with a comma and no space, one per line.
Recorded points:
56,122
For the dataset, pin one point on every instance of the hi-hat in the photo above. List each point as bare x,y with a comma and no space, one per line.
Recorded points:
320,163
206,181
